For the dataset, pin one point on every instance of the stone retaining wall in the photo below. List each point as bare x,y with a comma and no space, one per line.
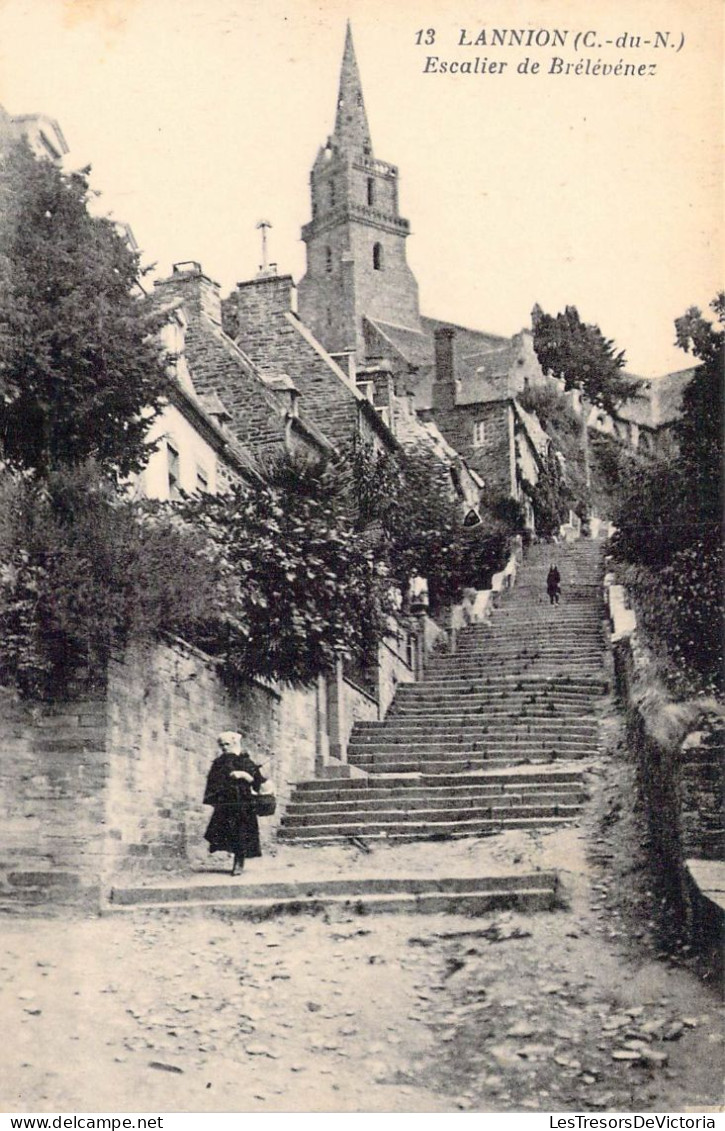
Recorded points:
679,749
115,783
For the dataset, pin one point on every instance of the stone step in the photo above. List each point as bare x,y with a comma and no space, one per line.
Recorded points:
541,612
503,632
498,680
311,817
447,728
361,752
456,743
531,891
410,800
451,712
331,834
506,779
465,764
504,681
564,663
521,649
487,659
451,717
505,688
519,628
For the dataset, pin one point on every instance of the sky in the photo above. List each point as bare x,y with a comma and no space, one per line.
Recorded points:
202,117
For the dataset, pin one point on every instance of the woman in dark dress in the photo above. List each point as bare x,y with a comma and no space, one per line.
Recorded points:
553,585
232,780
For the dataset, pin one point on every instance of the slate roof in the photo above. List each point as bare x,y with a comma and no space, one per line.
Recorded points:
218,368
482,359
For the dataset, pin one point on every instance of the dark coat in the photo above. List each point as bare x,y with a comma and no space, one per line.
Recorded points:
234,826
553,581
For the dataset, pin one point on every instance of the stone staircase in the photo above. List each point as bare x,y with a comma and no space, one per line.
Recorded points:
356,894
490,738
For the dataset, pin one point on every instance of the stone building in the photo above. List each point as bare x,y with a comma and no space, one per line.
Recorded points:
645,420
360,298
356,257
42,133
195,449
259,409
262,316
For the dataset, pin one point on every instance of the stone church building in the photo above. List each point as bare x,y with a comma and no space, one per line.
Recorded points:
360,298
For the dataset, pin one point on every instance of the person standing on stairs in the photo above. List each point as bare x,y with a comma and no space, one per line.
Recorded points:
553,585
230,787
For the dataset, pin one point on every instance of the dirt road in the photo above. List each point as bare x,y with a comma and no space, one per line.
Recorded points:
563,1011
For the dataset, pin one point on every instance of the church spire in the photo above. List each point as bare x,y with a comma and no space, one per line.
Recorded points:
351,124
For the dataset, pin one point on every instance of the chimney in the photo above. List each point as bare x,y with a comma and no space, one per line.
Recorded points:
444,384
199,293
265,296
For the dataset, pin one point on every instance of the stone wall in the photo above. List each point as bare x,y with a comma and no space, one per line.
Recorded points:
396,664
53,775
679,751
114,784
166,706
493,456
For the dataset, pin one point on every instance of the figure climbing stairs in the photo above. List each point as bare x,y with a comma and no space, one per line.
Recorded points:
491,738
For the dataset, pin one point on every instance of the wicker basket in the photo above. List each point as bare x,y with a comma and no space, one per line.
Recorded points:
265,804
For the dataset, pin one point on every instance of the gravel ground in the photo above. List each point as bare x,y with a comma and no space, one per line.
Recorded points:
190,1011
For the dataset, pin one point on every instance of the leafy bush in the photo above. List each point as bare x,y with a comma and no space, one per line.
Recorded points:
412,498
308,590
550,497
681,607
269,581
83,570
609,461
670,514
552,408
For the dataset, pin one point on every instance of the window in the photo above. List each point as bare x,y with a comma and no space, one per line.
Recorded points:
371,191
172,464
328,259
377,257
202,479
479,434
332,194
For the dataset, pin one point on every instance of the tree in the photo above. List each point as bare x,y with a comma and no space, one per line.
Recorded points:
307,588
579,354
670,515
82,370
699,431
84,569
550,496
411,496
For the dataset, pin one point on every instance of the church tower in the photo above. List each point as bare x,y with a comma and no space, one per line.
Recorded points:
356,261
